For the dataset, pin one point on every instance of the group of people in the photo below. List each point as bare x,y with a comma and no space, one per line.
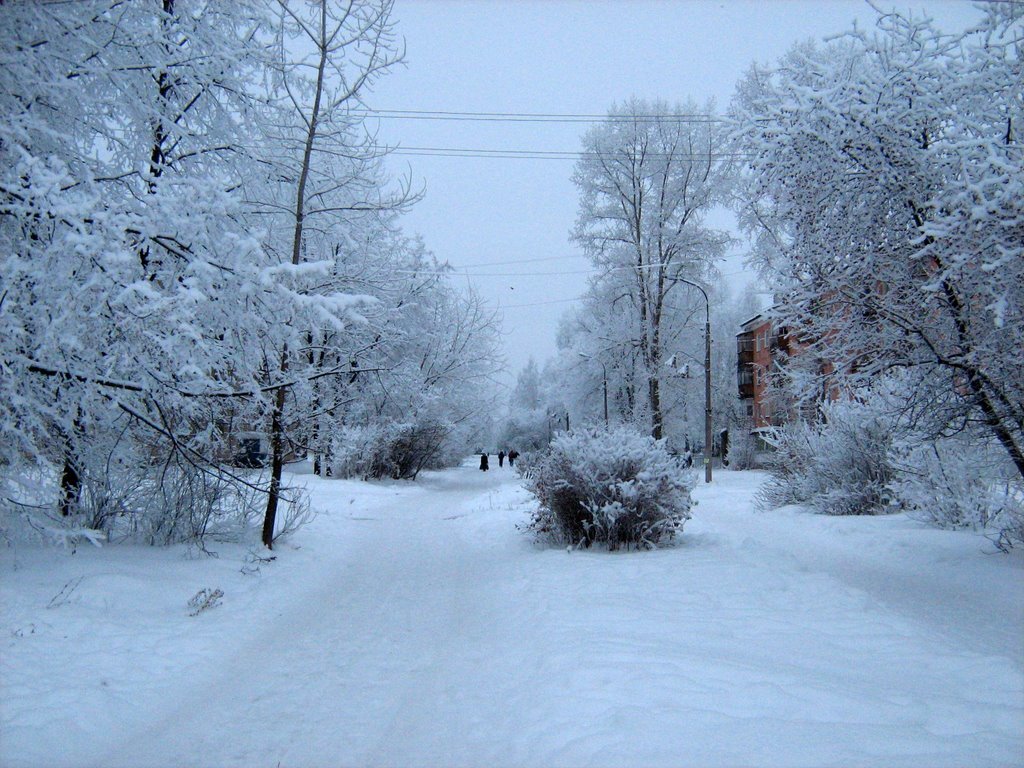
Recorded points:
512,456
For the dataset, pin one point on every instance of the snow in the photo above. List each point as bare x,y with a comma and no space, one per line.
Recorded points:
412,624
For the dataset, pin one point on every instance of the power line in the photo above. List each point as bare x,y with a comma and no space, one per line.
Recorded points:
457,271
532,117
537,303
542,154
516,261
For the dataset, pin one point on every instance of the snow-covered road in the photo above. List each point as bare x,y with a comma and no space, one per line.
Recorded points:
411,624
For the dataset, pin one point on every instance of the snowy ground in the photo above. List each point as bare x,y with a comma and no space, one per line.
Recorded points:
411,624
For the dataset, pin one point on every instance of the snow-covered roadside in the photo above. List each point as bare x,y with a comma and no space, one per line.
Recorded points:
413,625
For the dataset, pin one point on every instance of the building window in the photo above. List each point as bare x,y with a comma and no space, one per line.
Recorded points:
750,410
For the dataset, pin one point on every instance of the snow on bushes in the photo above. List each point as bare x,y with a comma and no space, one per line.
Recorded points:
742,453
125,498
397,451
941,483
862,457
838,466
960,483
612,487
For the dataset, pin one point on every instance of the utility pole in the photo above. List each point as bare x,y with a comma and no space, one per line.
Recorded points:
707,378
707,391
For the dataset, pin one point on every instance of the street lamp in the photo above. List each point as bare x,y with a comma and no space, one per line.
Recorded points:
707,377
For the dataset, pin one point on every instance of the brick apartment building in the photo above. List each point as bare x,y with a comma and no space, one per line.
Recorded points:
753,360
760,349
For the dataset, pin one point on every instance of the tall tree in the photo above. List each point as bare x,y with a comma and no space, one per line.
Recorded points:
184,198
647,177
330,54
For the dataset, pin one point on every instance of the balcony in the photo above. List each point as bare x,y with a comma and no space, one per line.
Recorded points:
745,348
745,380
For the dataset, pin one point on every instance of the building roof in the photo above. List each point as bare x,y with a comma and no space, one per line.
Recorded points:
757,320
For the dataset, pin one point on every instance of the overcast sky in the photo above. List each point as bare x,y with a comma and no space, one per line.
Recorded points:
504,223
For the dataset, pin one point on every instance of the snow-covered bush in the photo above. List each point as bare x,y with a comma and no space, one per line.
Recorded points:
409,449
960,483
613,487
125,497
1009,521
941,483
877,455
352,450
742,452
840,465
398,451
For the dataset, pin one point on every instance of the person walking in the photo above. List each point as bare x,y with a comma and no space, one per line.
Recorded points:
512,456
501,459
483,462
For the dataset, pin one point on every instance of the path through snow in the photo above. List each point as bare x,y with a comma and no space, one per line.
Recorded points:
411,624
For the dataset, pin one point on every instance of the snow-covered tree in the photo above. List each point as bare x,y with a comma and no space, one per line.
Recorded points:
885,186
647,177
121,132
535,409
322,182
433,357
598,362
527,392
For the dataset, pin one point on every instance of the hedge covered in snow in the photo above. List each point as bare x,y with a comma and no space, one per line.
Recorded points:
612,487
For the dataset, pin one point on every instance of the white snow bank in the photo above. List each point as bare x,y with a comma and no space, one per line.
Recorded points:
411,624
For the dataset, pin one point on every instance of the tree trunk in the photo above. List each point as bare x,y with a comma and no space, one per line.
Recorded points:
654,382
996,423
70,486
277,416
70,475
276,462
157,156
654,396
1003,428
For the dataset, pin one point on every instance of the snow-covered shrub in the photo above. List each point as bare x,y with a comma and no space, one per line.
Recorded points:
409,448
128,497
526,463
742,452
352,450
961,483
1009,521
941,482
840,465
398,451
614,487
27,514
166,502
